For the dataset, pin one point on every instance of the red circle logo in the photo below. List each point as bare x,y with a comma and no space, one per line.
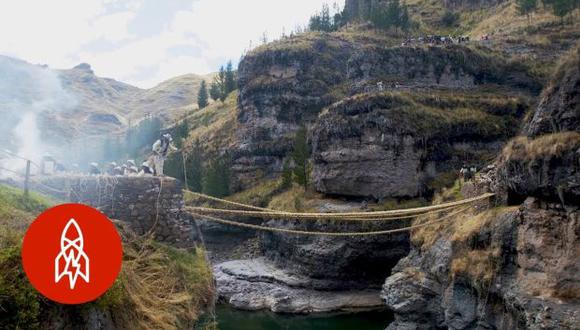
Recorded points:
72,253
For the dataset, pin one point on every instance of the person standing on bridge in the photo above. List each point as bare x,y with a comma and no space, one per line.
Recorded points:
161,149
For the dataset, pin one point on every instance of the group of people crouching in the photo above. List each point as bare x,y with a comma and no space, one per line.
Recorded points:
153,166
435,40
112,168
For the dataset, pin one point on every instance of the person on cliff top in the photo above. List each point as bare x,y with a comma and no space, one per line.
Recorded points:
463,174
111,168
146,169
131,167
161,149
94,169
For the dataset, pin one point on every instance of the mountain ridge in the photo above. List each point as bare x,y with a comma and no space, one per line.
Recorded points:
105,105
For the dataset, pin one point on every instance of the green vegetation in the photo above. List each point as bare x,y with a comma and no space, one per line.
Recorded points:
300,156
525,7
296,199
286,174
393,15
562,8
159,287
209,133
193,161
224,83
20,304
260,194
325,21
202,95
450,19
216,177
434,115
136,139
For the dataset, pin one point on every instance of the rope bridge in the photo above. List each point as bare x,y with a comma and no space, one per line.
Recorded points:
452,209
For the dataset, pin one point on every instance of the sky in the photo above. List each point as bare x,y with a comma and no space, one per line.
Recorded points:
143,42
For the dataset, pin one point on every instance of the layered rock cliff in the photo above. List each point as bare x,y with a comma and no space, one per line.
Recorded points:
559,109
286,84
406,144
504,267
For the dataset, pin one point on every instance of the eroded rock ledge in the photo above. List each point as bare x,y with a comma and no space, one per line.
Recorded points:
256,284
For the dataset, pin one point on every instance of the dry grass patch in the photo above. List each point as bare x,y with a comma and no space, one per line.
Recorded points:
160,287
479,266
214,126
258,195
470,226
545,146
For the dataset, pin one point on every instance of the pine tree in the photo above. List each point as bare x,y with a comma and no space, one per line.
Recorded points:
194,164
221,82
202,95
173,166
393,13
525,7
404,19
286,175
561,8
216,178
230,81
300,156
325,19
214,91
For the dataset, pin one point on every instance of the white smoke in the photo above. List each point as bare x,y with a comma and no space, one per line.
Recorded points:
28,93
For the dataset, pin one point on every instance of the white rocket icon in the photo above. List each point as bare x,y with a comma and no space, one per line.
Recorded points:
71,260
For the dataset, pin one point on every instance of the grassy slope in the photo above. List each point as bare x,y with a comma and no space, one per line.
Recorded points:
478,264
159,287
214,126
538,41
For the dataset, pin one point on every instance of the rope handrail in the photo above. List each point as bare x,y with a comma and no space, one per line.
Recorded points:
329,216
323,233
366,214
225,201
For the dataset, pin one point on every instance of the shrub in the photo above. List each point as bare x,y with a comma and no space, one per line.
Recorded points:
449,19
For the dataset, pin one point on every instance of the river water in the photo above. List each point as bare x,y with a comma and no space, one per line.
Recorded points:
232,319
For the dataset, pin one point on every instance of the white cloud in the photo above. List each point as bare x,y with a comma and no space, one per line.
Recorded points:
58,33
113,27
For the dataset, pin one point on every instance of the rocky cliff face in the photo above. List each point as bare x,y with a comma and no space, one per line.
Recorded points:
336,263
280,89
506,267
404,144
286,84
516,272
559,109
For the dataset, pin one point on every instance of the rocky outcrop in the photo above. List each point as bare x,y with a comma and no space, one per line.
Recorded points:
286,84
336,263
257,284
547,167
406,144
306,273
280,89
559,109
507,267
531,284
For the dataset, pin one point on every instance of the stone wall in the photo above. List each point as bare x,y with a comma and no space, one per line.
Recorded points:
149,204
